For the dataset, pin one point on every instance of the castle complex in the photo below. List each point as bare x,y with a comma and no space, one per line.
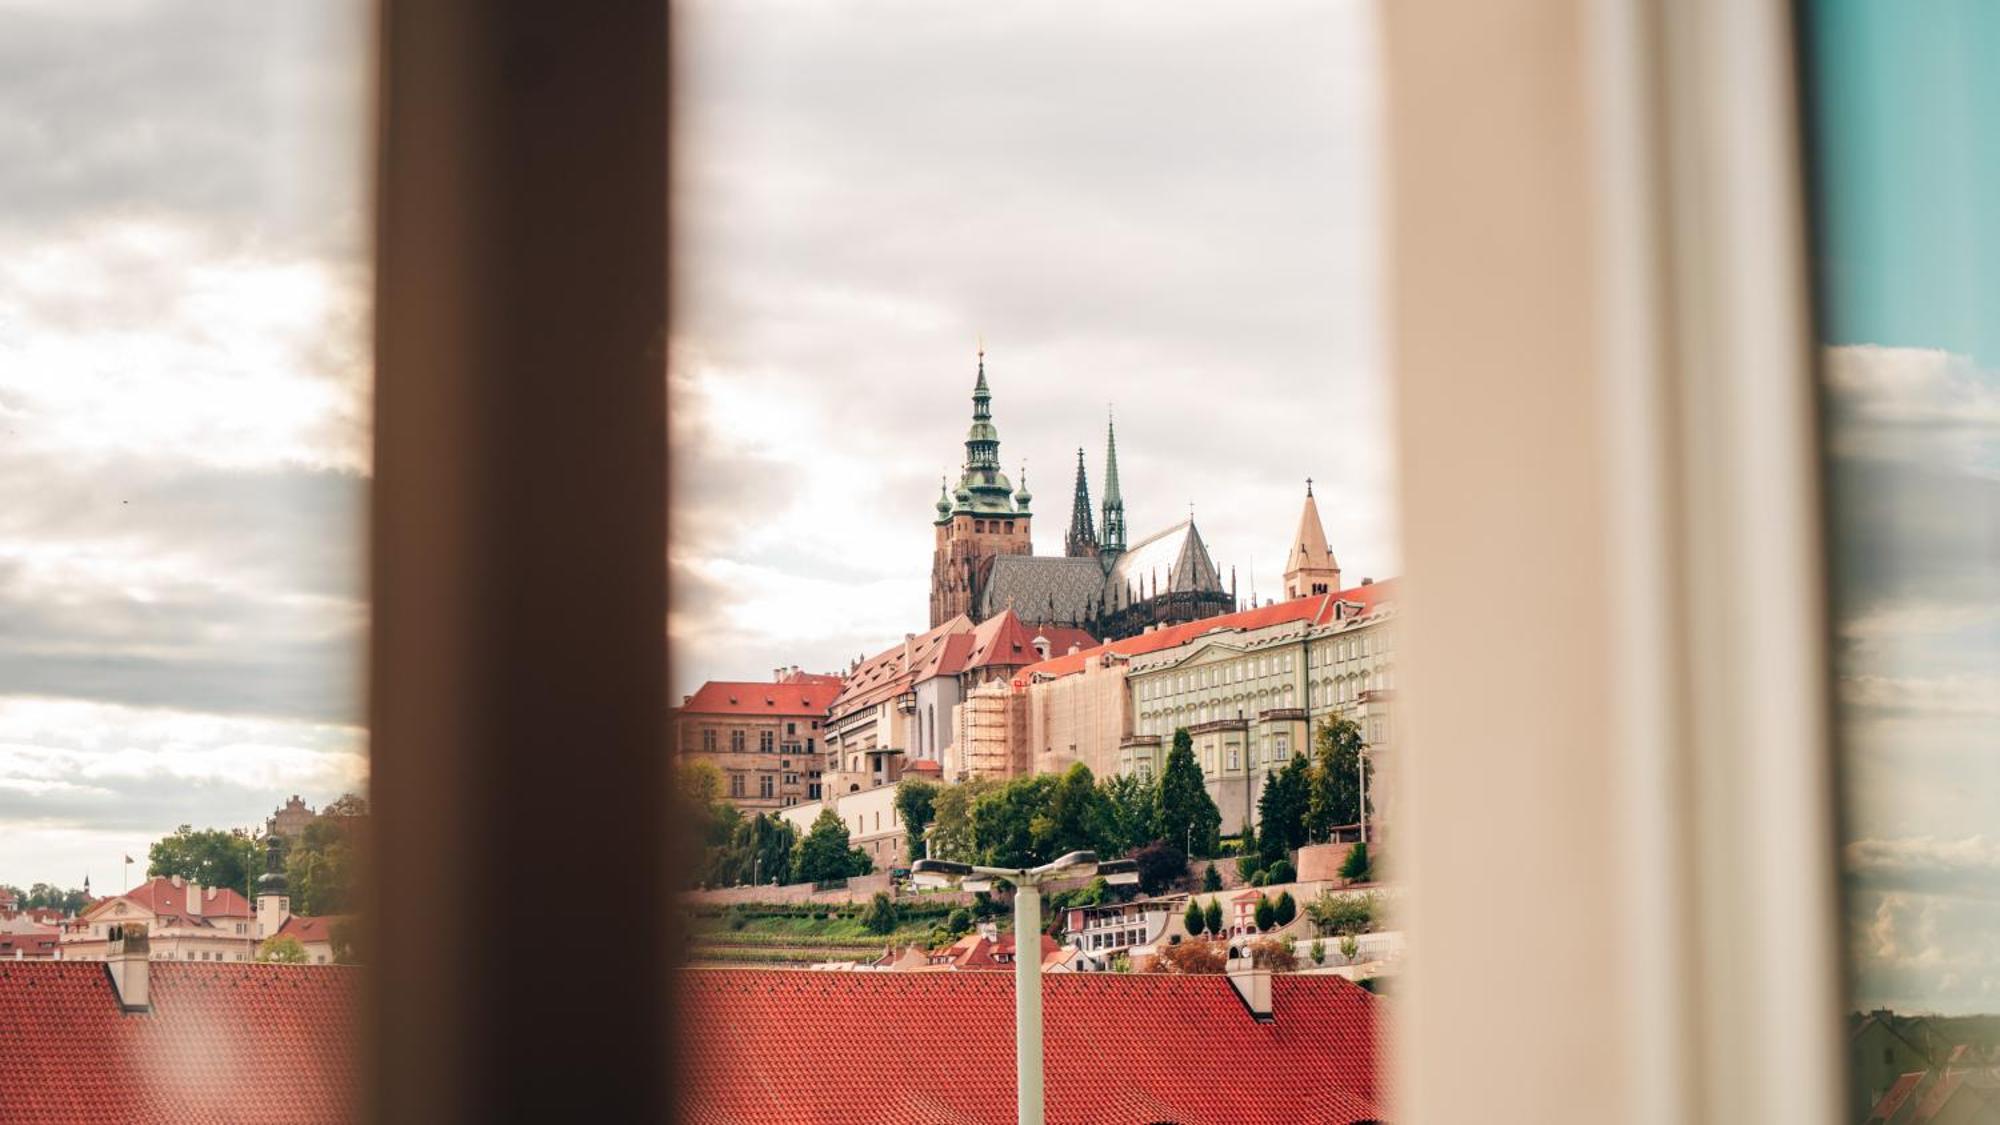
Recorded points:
985,562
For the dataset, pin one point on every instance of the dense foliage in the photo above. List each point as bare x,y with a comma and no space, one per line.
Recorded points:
1161,865
213,857
46,896
1334,790
1184,812
823,855
915,804
1342,914
1356,868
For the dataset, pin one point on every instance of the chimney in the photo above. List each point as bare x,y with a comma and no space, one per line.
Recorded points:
1367,581
686,699
1074,648
128,958
1252,984
194,900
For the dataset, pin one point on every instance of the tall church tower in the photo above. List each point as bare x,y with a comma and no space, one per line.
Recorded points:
980,519
1081,542
1310,570
1112,541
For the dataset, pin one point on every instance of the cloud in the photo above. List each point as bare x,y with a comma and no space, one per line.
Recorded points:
1169,208
184,419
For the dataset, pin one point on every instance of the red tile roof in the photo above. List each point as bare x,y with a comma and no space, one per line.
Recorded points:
38,943
1895,1097
1304,609
163,898
894,670
310,929
808,696
225,1042
1371,598
1006,641
1120,1048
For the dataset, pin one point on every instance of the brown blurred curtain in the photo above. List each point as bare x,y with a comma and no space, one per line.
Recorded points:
518,661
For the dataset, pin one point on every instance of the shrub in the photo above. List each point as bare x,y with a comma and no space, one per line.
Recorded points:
1281,872
1213,916
1285,909
1350,948
1319,951
1194,919
1267,915
1211,879
1357,867
1275,955
1260,879
1192,957
1340,914
880,917
958,921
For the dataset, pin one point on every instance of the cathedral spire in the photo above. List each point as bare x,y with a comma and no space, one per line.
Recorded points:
1310,570
1114,503
1081,542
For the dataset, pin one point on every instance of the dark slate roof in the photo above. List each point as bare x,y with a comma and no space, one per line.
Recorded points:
1041,587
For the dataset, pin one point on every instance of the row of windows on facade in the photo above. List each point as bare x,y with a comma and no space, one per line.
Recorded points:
766,742
1321,655
1342,691
1275,749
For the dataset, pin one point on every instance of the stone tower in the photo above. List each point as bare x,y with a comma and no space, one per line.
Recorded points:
981,519
1081,542
1310,570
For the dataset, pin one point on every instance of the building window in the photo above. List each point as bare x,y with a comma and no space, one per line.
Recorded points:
791,728
767,741
736,785
1232,761
708,740
736,741
766,785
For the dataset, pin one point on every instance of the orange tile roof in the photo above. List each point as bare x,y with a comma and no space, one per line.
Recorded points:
163,898
809,699
1303,609
1119,1047
220,1038
308,929
893,671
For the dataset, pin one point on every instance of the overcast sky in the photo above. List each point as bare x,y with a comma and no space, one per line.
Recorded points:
183,421
1170,209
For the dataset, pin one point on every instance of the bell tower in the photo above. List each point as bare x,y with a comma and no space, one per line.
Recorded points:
1310,570
982,518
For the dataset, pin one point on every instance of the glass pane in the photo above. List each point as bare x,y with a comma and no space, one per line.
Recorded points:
1032,447
1907,161
184,458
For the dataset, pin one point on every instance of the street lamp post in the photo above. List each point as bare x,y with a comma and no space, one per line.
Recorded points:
1027,883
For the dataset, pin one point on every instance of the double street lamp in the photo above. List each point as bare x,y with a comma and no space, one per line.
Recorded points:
1027,883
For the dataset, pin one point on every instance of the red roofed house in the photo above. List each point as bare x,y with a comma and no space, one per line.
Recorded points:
22,935
1118,1047
189,922
991,653
157,1041
873,722
766,738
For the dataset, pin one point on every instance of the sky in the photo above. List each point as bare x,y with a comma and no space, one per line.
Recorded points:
1908,161
1166,210
183,422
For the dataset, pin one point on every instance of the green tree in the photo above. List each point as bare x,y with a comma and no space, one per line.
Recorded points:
1267,915
916,801
343,937
283,949
1129,802
880,915
1285,909
951,819
1350,948
823,855
1078,817
1186,815
322,867
1280,872
958,921
213,857
1213,916
1194,919
47,896
1211,879
1011,824
1356,868
1281,810
1335,787
1318,948
350,804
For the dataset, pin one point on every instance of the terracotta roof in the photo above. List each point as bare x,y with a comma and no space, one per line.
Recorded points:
311,929
1304,609
1370,598
1895,1097
1120,1047
892,671
34,943
221,1037
1007,641
809,698
164,899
